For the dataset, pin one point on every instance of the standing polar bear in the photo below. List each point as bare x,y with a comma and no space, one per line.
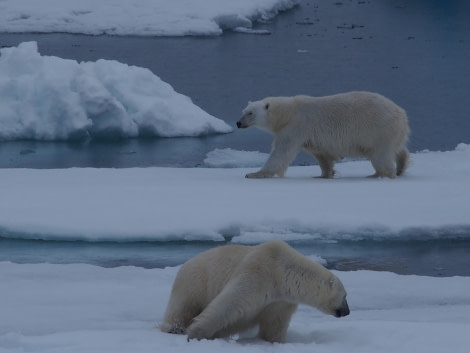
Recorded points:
354,124
233,288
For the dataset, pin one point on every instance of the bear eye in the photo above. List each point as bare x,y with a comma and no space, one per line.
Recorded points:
266,106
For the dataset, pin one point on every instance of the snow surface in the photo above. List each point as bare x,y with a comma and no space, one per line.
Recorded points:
156,203
49,98
137,17
83,308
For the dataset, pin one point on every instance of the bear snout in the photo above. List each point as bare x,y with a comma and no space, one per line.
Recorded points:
343,310
245,121
243,124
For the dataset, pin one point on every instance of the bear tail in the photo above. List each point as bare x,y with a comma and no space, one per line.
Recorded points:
402,160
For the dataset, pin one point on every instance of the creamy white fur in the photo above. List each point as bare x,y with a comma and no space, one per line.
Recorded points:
232,288
354,124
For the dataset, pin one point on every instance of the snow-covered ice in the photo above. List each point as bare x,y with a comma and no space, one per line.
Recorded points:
49,98
136,17
215,203
83,308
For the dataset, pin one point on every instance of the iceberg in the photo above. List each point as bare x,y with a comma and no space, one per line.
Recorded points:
136,17
49,98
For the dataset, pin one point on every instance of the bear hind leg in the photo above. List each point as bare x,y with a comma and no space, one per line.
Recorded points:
274,321
179,315
402,160
384,165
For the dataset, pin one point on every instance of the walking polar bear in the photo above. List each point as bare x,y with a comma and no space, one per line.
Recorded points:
233,288
354,124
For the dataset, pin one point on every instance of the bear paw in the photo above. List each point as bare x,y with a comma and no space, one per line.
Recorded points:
259,175
197,332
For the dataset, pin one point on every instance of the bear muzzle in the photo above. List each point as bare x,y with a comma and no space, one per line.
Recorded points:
245,121
241,124
343,310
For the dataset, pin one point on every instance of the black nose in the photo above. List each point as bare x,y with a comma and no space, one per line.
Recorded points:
239,124
343,310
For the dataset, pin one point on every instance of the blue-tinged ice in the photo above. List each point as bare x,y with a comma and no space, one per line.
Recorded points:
49,98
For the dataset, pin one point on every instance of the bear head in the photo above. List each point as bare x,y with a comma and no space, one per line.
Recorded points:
333,298
255,113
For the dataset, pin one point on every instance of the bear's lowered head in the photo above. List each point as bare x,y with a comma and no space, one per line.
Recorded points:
336,305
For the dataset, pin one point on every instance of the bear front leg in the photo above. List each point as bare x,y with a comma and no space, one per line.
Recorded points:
274,321
228,312
283,153
260,174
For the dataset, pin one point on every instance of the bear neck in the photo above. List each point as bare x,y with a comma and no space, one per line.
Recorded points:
279,115
304,280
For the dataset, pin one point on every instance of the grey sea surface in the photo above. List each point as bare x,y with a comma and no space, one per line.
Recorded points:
414,52
437,257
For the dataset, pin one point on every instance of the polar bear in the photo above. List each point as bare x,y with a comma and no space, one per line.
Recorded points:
354,124
233,288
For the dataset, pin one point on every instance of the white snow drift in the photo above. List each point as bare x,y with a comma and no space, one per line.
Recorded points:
49,98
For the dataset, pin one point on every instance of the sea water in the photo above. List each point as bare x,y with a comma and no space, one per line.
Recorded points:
416,54
431,257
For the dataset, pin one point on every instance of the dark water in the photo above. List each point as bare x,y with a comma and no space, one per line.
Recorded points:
416,52
438,257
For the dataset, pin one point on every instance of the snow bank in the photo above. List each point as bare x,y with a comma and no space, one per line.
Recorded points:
430,201
136,17
49,98
83,308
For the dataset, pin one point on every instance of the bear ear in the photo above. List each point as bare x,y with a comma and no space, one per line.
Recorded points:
266,106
